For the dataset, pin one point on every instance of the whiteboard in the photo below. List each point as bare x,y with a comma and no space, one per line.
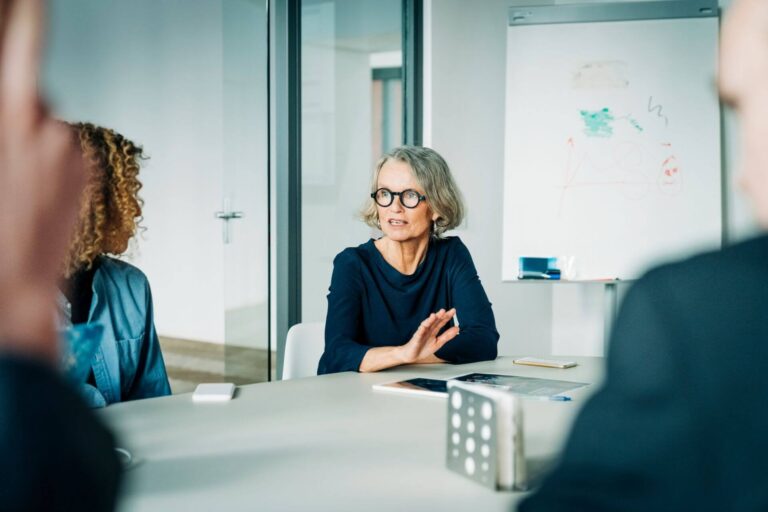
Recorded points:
612,151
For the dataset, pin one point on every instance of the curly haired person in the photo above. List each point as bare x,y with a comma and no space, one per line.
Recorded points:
100,289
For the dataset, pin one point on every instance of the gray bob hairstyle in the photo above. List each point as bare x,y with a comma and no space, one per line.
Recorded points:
433,175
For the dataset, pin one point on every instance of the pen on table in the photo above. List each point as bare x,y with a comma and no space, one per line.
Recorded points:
553,398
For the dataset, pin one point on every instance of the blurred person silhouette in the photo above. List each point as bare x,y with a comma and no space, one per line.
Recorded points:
680,422
55,453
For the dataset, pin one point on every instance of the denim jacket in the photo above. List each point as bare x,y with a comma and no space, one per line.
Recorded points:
128,363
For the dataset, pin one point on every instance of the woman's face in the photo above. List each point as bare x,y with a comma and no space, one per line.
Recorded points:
399,223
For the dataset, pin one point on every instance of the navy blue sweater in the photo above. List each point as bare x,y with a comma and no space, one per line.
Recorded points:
370,304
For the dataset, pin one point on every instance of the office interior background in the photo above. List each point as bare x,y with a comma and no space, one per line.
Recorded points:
248,197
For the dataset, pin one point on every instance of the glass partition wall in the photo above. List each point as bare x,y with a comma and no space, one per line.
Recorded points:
187,80
351,99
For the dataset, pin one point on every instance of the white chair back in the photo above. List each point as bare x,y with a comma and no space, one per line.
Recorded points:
304,345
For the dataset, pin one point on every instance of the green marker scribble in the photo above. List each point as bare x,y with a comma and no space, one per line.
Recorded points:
597,123
634,123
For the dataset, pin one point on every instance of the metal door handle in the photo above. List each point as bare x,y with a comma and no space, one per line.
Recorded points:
226,216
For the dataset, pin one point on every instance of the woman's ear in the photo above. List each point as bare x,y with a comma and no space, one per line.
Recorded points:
435,217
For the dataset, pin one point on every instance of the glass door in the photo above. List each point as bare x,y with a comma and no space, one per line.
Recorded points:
186,79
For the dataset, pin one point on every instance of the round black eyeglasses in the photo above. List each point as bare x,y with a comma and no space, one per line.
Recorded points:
408,198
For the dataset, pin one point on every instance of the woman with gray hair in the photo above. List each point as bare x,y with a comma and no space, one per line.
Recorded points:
391,299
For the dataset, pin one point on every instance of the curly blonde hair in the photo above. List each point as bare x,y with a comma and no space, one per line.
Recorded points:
110,208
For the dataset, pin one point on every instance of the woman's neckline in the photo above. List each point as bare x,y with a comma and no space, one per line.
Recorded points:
391,266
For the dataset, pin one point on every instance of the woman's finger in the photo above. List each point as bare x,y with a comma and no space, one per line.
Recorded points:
20,62
444,338
425,327
61,177
444,318
428,322
447,315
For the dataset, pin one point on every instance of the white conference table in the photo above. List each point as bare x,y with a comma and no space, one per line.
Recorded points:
326,443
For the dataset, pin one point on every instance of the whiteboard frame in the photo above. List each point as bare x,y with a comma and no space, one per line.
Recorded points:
624,11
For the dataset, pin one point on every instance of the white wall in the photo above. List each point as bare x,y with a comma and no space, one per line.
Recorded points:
464,110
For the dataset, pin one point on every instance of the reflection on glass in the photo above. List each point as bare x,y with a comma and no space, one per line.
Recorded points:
351,90
387,104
